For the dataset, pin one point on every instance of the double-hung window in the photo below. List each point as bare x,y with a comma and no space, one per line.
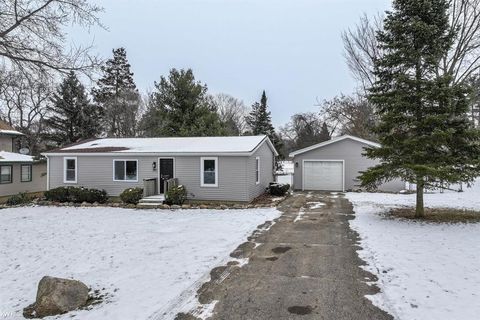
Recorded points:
26,173
125,170
70,170
257,170
6,174
209,171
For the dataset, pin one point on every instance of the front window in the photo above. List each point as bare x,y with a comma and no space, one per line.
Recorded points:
70,174
209,172
5,174
26,173
125,170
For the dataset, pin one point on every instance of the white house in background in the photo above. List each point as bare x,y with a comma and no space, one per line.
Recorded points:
335,165
18,172
211,168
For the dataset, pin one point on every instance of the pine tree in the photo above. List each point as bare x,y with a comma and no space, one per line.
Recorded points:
425,135
180,107
118,96
324,133
260,122
73,117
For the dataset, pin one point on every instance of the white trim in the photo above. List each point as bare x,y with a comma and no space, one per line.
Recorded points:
31,172
257,167
48,173
149,154
334,140
125,160
159,173
323,160
65,170
202,184
270,144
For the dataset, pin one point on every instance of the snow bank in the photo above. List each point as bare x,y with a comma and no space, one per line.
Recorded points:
144,259
425,270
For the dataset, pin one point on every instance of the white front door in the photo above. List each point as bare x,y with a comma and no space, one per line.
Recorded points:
323,175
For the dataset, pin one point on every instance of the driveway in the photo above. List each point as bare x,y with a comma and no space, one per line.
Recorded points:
304,267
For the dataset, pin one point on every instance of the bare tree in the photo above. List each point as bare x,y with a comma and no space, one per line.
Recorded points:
361,49
232,113
351,115
25,102
32,36
462,62
303,130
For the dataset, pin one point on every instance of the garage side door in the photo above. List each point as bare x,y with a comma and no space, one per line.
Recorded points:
323,175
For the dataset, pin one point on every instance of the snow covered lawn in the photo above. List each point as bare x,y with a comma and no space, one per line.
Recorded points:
425,270
145,259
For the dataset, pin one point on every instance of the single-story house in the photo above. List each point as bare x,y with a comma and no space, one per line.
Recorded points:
19,173
335,165
211,168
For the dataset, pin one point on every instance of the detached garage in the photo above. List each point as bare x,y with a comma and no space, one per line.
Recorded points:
335,165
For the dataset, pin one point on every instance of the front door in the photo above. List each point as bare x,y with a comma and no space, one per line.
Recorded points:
166,171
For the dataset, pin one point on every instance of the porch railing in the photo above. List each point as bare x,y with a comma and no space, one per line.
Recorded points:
170,183
150,187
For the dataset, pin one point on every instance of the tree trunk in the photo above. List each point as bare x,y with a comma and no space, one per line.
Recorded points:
420,211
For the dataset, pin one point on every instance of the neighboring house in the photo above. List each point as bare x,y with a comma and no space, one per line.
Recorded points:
211,168
18,172
335,165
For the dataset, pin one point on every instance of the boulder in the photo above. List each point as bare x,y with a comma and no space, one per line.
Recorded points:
57,296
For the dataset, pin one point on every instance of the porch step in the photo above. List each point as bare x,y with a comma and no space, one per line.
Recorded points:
152,200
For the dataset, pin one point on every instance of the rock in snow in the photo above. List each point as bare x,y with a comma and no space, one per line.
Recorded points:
56,296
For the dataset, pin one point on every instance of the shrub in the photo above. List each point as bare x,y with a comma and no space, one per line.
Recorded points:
79,195
176,195
76,195
132,195
278,189
17,199
60,194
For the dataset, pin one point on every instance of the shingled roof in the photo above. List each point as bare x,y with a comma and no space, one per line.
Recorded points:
5,128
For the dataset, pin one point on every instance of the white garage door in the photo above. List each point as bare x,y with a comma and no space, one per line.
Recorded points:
323,175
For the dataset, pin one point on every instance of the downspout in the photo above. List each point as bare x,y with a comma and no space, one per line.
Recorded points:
48,173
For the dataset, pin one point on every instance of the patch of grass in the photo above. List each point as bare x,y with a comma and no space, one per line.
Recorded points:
439,215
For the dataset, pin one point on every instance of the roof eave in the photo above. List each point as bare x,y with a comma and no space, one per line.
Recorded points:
332,141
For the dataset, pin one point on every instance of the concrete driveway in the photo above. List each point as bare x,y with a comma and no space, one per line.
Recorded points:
304,267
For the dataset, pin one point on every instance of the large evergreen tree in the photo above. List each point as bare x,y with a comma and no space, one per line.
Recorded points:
118,96
425,135
260,122
180,107
73,117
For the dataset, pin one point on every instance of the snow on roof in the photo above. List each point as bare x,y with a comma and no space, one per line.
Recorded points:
5,128
11,132
183,145
333,140
14,157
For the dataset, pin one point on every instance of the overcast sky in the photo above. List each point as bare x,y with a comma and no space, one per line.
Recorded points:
290,48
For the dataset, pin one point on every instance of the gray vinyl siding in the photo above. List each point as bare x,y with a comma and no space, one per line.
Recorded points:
351,152
231,178
97,172
266,171
236,174
38,183
6,143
